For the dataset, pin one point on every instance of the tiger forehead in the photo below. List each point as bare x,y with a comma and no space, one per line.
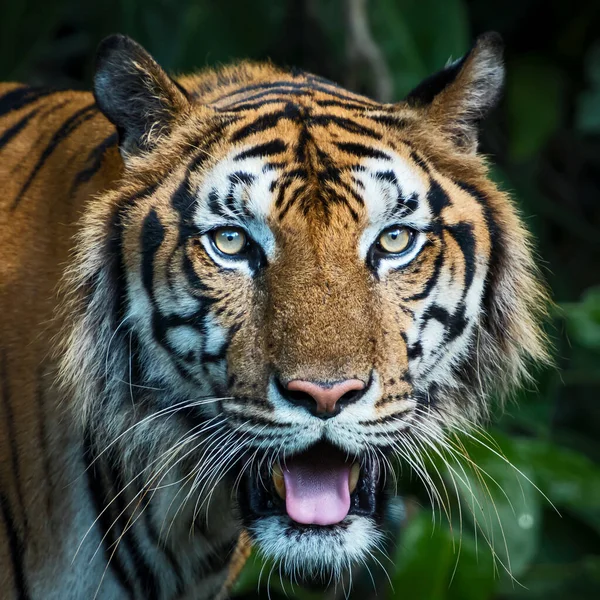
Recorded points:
294,156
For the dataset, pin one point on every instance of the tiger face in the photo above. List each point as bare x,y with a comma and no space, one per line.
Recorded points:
326,281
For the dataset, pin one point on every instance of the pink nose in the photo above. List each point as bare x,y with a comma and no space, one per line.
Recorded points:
326,396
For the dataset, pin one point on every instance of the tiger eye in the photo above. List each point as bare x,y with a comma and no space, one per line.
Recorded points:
229,240
395,240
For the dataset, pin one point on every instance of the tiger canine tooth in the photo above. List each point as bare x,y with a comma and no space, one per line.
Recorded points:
353,478
278,481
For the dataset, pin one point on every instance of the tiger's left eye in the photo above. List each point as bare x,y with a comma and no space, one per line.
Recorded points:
395,240
229,240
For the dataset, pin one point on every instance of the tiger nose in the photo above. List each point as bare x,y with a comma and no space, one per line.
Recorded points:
322,399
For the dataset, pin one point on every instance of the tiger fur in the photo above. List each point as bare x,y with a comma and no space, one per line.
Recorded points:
144,373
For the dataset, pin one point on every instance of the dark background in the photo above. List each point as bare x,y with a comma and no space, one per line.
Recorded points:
544,140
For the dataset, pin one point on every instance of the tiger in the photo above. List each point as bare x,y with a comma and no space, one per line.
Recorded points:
230,301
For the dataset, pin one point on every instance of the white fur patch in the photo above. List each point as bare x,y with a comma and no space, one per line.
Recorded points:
316,551
381,197
243,201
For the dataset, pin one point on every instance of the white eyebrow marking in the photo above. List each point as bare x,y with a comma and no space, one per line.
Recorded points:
240,190
381,197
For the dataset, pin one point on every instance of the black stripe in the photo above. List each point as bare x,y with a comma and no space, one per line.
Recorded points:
10,133
20,97
205,144
437,197
184,202
251,106
241,177
389,177
14,450
43,441
152,237
16,551
364,103
463,234
437,267
436,312
240,419
350,190
104,521
276,87
146,576
391,121
304,138
94,160
259,99
339,104
362,151
218,557
387,418
154,536
458,323
492,317
284,87
114,252
262,123
267,149
418,159
66,129
346,124
214,205
414,351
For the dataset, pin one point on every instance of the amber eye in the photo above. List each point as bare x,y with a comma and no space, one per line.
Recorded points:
395,240
229,240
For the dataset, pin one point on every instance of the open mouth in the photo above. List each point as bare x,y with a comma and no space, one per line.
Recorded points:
319,487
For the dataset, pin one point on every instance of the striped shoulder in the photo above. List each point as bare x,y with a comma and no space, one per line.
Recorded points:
35,122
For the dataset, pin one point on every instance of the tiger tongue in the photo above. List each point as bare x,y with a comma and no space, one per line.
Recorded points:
317,489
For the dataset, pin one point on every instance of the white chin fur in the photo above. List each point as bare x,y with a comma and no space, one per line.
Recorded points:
325,553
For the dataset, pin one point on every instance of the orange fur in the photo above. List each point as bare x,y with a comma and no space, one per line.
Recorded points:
317,312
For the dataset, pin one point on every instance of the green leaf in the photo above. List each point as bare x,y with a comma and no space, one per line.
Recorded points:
569,479
572,581
564,478
425,559
432,564
583,319
499,502
475,577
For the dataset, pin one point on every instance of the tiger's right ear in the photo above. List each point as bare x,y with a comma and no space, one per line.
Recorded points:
135,94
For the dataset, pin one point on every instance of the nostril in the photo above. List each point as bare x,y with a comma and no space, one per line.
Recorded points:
322,399
350,397
297,397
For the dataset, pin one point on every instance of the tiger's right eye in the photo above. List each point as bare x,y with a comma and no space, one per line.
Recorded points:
230,241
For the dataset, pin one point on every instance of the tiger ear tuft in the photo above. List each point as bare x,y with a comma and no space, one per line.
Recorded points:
459,96
135,94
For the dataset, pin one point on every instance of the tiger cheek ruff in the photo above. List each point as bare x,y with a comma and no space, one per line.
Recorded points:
269,288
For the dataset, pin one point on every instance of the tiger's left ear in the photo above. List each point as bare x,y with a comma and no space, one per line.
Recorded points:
135,94
459,96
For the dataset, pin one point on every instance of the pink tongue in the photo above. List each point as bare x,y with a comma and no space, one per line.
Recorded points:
317,489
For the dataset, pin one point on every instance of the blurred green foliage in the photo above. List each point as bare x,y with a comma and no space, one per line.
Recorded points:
543,518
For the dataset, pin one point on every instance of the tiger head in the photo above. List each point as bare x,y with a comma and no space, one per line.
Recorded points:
303,281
